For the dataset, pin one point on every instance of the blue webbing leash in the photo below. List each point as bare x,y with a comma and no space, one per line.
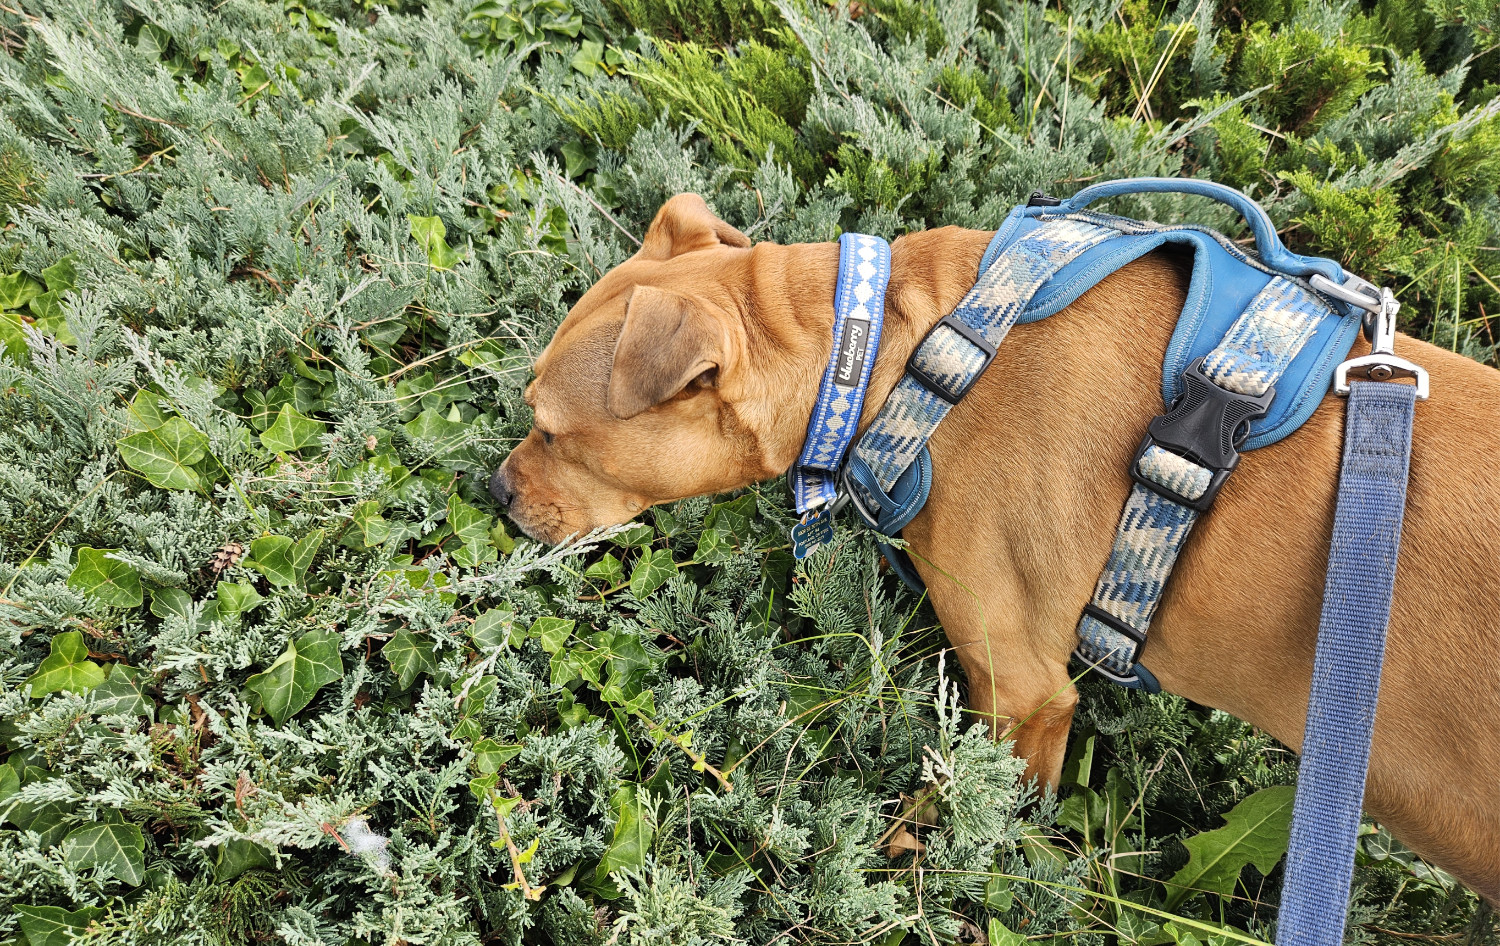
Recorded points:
1351,640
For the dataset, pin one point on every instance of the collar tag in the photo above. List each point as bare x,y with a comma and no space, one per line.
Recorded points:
813,531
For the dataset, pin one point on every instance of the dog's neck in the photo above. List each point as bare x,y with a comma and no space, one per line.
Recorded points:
930,273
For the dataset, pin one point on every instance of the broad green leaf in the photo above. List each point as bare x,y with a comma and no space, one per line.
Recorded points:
1002,935
576,158
608,570
552,632
1255,832
409,655
237,597
148,410
50,319
431,235
468,523
291,431
112,582
118,850
714,546
294,679
489,755
474,554
171,602
123,693
68,667
634,831
373,527
238,856
283,561
432,427
61,275
13,338
54,926
17,289
163,455
637,533
500,539
492,628
734,517
651,572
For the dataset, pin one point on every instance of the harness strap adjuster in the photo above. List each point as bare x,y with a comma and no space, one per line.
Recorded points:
1205,426
952,392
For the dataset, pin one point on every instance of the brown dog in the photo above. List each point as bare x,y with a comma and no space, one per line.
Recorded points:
693,367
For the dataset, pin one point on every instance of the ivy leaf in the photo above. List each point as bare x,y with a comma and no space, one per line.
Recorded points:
373,527
651,572
17,289
237,597
61,275
164,454
409,655
489,755
291,431
468,523
431,235
112,582
54,926
68,667
733,517
118,850
714,546
171,602
283,561
13,337
1255,832
123,693
552,632
1002,935
148,410
637,533
634,832
492,628
608,569
294,679
238,856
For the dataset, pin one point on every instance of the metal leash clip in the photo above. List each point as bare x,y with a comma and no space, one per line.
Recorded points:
1381,364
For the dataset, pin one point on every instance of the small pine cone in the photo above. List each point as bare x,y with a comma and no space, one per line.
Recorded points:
227,556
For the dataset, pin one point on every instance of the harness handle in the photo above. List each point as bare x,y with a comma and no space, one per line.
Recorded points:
1267,243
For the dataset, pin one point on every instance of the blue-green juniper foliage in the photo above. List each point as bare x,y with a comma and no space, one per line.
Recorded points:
272,669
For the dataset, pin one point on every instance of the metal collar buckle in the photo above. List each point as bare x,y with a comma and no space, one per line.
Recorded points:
1381,364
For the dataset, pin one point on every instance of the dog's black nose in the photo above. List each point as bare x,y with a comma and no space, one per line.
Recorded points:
500,488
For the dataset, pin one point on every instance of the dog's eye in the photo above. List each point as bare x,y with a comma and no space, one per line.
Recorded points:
546,435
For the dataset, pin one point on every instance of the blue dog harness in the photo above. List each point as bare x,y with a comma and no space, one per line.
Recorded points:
1255,350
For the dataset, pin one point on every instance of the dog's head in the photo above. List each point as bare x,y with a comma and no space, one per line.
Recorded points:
640,397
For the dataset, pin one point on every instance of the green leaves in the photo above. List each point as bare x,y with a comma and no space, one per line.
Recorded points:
282,561
552,632
117,850
1255,832
54,926
164,454
67,668
651,572
431,236
123,693
291,431
634,830
409,655
295,678
108,580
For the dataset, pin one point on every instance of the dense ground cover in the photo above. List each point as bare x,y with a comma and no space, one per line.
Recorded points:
273,670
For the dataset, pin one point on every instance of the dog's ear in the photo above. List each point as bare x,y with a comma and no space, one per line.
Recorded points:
684,224
667,342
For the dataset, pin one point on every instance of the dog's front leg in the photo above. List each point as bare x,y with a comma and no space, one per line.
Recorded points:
1020,690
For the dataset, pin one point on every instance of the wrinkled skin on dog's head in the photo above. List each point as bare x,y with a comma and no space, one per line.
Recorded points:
639,398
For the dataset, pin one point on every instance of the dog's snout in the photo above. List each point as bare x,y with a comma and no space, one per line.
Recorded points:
501,489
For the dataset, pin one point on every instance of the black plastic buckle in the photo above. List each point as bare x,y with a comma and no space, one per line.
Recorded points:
1206,425
932,384
1039,199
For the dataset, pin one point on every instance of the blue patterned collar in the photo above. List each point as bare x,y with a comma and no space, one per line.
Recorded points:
858,314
